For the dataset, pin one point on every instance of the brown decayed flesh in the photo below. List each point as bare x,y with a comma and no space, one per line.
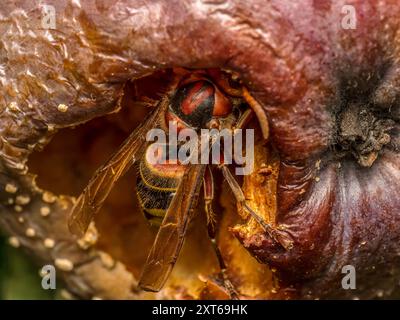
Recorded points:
297,62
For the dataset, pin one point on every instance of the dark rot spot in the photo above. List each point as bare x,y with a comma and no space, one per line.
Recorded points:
363,133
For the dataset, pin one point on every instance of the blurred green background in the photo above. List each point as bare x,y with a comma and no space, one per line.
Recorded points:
19,277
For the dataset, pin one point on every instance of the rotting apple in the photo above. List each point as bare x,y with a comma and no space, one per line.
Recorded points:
331,95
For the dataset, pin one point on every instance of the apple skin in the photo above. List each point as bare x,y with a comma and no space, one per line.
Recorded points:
297,60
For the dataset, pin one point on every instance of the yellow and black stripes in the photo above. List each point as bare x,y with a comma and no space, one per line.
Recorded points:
156,186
